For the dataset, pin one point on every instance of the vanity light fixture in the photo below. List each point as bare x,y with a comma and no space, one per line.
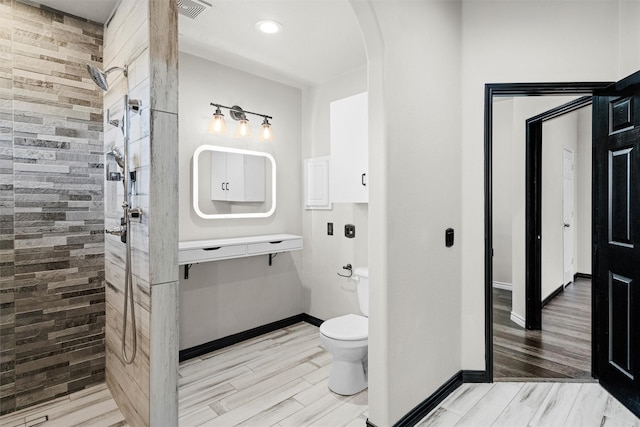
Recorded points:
218,126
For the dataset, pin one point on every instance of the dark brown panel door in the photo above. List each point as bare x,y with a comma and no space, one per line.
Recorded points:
616,234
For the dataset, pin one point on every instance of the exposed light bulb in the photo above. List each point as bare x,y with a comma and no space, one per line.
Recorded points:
266,134
217,124
243,130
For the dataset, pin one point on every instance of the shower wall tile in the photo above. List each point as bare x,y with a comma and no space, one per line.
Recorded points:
143,35
164,351
163,251
128,383
7,290
126,43
52,299
164,55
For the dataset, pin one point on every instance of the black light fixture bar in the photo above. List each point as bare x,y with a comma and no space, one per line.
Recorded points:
241,110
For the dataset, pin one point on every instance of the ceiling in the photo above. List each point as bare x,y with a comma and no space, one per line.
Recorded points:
320,39
95,10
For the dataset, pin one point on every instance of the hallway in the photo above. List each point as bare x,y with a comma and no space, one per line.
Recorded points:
561,350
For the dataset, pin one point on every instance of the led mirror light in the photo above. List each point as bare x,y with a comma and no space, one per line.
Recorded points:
195,174
268,26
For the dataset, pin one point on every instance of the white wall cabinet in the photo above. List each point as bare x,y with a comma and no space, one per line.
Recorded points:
316,183
349,136
237,177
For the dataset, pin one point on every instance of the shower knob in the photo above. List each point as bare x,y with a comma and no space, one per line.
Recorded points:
116,231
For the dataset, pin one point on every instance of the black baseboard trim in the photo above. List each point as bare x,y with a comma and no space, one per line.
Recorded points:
199,350
311,320
414,416
475,377
582,276
552,295
422,410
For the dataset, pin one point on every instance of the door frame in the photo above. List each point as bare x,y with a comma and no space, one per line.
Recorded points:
514,89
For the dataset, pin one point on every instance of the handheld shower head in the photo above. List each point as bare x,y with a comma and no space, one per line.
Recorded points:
100,77
117,154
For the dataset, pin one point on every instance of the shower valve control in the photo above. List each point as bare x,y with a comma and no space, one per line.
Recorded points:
135,213
116,231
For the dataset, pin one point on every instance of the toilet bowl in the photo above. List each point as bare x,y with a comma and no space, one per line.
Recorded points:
347,339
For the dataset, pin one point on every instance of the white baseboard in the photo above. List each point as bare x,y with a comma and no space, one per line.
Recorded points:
518,320
502,285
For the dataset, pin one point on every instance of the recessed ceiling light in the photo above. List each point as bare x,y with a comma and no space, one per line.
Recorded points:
268,26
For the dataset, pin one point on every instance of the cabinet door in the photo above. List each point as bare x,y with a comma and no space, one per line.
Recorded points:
218,175
349,149
254,178
235,177
316,183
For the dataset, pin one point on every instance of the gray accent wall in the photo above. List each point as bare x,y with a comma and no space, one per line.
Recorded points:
52,299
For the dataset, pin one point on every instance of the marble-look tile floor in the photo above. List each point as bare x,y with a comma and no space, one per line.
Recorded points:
280,379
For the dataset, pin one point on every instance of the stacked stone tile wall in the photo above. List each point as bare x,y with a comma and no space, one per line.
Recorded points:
52,295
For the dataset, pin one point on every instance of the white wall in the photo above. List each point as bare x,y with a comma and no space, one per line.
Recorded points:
414,155
225,297
583,184
514,42
325,294
503,174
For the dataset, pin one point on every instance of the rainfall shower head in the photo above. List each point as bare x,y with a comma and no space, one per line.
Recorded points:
115,152
100,77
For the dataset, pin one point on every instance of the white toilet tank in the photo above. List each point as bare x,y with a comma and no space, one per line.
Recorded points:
361,276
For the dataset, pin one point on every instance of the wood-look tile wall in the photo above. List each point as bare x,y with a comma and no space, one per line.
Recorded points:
52,297
143,35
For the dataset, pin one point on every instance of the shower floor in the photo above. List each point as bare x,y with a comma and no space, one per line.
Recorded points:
92,406
279,378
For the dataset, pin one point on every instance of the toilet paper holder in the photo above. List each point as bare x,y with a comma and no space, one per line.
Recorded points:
348,267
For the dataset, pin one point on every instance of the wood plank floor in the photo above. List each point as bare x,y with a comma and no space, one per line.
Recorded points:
533,404
280,379
561,350
92,407
277,379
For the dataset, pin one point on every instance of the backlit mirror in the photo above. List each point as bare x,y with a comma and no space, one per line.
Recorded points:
233,183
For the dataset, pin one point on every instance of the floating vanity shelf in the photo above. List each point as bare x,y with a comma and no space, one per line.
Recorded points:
197,251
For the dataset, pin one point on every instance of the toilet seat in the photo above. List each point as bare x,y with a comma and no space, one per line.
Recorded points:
350,327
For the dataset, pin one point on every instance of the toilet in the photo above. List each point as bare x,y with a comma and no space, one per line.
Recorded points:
347,339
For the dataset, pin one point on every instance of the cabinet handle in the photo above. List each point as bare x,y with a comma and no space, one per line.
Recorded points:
227,187
364,175
222,186
276,242
211,249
